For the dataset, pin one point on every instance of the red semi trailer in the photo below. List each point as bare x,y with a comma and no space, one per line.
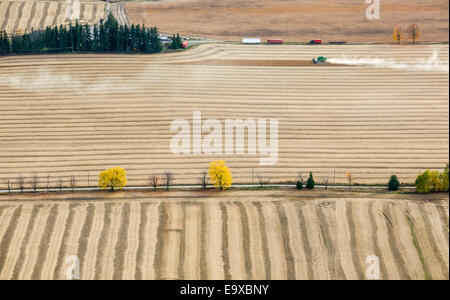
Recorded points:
275,41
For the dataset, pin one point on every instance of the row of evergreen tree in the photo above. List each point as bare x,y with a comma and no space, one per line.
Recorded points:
107,36
5,46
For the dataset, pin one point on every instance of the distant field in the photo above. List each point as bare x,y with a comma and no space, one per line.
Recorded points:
67,115
231,235
293,20
21,16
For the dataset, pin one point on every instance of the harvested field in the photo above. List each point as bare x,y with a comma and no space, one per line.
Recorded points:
67,115
257,62
292,20
21,16
119,12
231,235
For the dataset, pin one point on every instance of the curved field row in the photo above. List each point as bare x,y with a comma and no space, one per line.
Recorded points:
119,11
22,16
73,114
238,235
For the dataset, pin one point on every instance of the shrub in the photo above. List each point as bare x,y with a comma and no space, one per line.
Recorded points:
310,183
299,185
393,184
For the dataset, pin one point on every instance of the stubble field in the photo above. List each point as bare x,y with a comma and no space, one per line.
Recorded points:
22,16
292,20
231,235
70,115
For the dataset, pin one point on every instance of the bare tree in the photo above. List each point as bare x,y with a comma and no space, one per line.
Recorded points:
261,180
350,179
48,183
60,183
73,183
414,32
34,183
169,177
154,181
300,177
9,184
325,181
20,183
204,179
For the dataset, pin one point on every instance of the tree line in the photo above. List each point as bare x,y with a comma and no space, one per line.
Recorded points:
107,36
433,181
220,176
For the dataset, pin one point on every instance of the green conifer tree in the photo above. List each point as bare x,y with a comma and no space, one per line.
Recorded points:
310,183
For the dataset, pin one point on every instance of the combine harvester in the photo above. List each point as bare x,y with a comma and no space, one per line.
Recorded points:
319,60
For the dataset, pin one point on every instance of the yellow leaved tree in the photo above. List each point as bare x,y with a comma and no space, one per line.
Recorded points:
220,174
397,35
435,182
114,178
432,181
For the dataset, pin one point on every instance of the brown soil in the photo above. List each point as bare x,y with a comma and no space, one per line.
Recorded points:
292,20
67,115
285,234
259,63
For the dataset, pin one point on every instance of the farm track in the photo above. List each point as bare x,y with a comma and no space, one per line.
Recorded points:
20,16
233,235
60,114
